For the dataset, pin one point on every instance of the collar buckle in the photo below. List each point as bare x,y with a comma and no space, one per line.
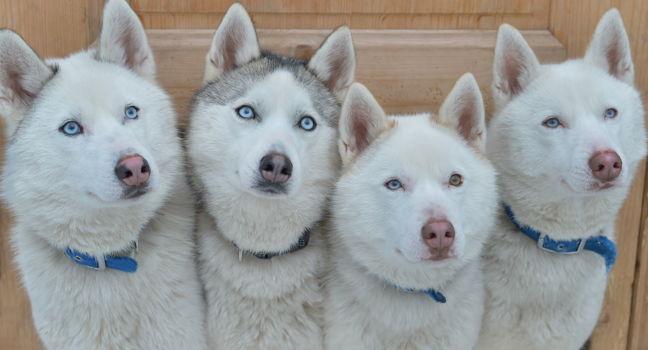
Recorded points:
600,245
540,243
101,263
581,246
559,245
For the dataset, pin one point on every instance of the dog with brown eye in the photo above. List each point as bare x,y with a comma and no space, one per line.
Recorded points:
411,211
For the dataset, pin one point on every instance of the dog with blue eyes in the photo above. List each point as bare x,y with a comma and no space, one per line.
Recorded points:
411,211
263,158
566,140
94,177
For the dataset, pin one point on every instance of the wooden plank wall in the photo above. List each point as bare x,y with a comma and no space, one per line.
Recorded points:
359,14
638,332
59,27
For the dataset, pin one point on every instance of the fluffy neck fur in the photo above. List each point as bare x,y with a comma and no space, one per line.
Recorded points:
571,217
264,224
92,230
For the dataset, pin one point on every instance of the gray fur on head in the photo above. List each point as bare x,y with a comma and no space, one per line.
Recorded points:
234,83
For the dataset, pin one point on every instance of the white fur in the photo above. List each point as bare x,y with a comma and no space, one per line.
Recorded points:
253,303
64,193
539,300
376,241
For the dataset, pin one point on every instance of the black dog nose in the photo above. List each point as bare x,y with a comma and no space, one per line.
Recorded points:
275,168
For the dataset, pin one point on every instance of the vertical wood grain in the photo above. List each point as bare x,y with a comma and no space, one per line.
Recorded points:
573,22
638,334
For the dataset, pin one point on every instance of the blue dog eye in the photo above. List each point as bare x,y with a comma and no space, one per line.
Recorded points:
394,184
611,113
307,123
71,128
552,123
246,112
131,112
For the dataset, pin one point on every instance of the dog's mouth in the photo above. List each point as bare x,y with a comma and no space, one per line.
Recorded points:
271,189
135,192
439,256
593,187
428,257
598,186
129,194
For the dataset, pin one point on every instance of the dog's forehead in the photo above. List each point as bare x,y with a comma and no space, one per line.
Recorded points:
280,90
576,86
424,148
83,87
420,136
81,79
239,82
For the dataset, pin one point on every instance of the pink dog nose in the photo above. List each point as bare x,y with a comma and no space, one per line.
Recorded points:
605,165
133,170
438,235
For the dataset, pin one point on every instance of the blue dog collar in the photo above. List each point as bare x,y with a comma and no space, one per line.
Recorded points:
432,293
120,263
600,245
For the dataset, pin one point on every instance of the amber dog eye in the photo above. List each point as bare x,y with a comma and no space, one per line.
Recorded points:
456,180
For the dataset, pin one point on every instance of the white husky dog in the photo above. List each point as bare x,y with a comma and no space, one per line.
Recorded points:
262,148
566,141
412,209
94,176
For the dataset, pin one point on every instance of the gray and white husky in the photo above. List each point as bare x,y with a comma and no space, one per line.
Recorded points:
262,147
411,211
93,175
566,141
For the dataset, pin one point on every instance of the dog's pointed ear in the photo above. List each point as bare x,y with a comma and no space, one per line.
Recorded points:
362,120
463,111
234,44
22,76
123,41
514,67
610,47
334,62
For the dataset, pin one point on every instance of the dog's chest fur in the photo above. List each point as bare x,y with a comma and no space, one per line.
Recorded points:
260,304
157,307
365,313
537,299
